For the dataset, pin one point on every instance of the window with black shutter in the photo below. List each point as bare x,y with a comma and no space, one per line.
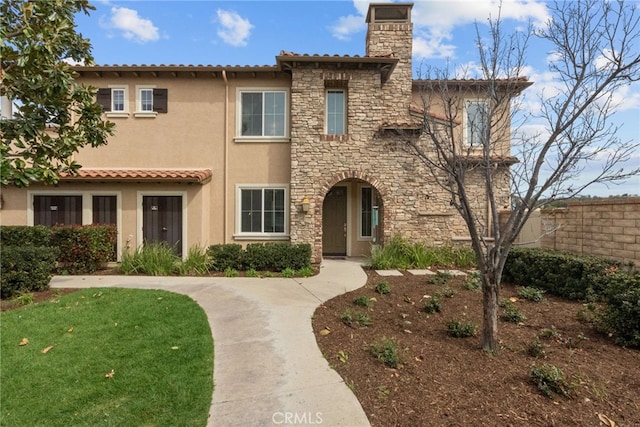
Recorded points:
104,98
160,100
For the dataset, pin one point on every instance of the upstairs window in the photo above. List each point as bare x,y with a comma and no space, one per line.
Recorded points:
336,112
151,100
113,99
263,113
476,122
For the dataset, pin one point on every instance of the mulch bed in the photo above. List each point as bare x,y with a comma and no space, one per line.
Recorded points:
450,381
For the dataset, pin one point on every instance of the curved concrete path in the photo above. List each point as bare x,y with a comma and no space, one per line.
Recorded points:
268,369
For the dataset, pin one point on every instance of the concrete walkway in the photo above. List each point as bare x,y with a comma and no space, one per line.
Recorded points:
268,369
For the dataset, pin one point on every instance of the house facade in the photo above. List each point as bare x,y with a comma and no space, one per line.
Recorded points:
307,150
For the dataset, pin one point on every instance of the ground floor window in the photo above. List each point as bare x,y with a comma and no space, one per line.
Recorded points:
262,210
366,211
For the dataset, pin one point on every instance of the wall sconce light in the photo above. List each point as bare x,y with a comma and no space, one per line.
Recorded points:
305,205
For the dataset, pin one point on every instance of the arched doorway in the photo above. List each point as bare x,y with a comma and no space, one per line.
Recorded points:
352,216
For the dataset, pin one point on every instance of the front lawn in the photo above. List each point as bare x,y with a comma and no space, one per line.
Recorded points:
106,356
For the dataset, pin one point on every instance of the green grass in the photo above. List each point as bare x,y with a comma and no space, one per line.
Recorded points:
157,343
156,259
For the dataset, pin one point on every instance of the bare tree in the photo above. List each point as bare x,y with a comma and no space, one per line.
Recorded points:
475,146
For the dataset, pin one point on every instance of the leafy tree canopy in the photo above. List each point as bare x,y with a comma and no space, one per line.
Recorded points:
53,115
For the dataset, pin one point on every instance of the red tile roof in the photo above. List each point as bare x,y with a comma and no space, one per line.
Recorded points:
200,176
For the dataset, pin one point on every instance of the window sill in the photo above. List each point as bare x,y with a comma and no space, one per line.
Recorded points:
245,139
149,114
260,237
116,114
331,137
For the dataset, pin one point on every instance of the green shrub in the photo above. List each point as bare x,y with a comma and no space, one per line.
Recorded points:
535,349
22,235
155,259
277,256
197,262
622,311
566,275
446,292
25,269
461,328
513,314
363,301
359,317
84,248
439,278
473,282
550,379
225,256
383,288
531,294
432,306
386,351
306,272
252,273
230,272
288,272
401,254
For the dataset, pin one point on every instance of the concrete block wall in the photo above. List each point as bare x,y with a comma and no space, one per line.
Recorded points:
604,227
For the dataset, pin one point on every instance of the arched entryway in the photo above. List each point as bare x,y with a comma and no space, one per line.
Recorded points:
352,218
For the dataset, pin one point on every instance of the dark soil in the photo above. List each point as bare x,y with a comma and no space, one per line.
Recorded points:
446,381
40,296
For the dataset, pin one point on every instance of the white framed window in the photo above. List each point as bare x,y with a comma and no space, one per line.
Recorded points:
336,112
262,211
365,212
263,113
146,100
114,100
476,122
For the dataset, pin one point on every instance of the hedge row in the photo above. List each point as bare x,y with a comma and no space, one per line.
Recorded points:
260,256
75,249
24,269
583,278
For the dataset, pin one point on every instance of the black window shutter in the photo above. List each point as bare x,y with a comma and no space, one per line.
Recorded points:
160,100
104,98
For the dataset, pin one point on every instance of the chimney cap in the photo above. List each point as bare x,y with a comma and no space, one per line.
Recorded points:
389,12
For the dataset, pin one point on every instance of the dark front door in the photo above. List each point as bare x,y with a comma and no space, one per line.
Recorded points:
162,221
334,222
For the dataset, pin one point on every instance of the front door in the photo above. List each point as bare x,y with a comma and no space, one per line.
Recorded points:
334,222
162,221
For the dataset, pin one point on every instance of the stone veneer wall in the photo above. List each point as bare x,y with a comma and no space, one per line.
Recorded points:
414,206
602,227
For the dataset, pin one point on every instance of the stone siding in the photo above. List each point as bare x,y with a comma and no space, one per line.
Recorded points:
607,227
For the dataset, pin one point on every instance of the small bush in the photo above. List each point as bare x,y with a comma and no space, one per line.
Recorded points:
276,256
155,259
622,311
446,292
386,351
363,301
197,262
84,248
288,272
531,294
432,306
25,269
439,279
227,256
252,273
550,379
401,254
535,349
513,314
230,272
360,318
473,282
383,288
461,328
22,235
550,333
306,272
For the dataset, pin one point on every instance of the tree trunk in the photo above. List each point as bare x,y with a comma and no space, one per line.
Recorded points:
490,316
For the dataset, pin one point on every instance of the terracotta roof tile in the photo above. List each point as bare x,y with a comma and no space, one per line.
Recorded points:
200,176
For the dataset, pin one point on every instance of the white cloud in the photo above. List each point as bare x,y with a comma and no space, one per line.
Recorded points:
235,30
133,26
434,21
346,26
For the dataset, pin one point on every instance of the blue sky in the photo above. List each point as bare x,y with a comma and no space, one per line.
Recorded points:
254,32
